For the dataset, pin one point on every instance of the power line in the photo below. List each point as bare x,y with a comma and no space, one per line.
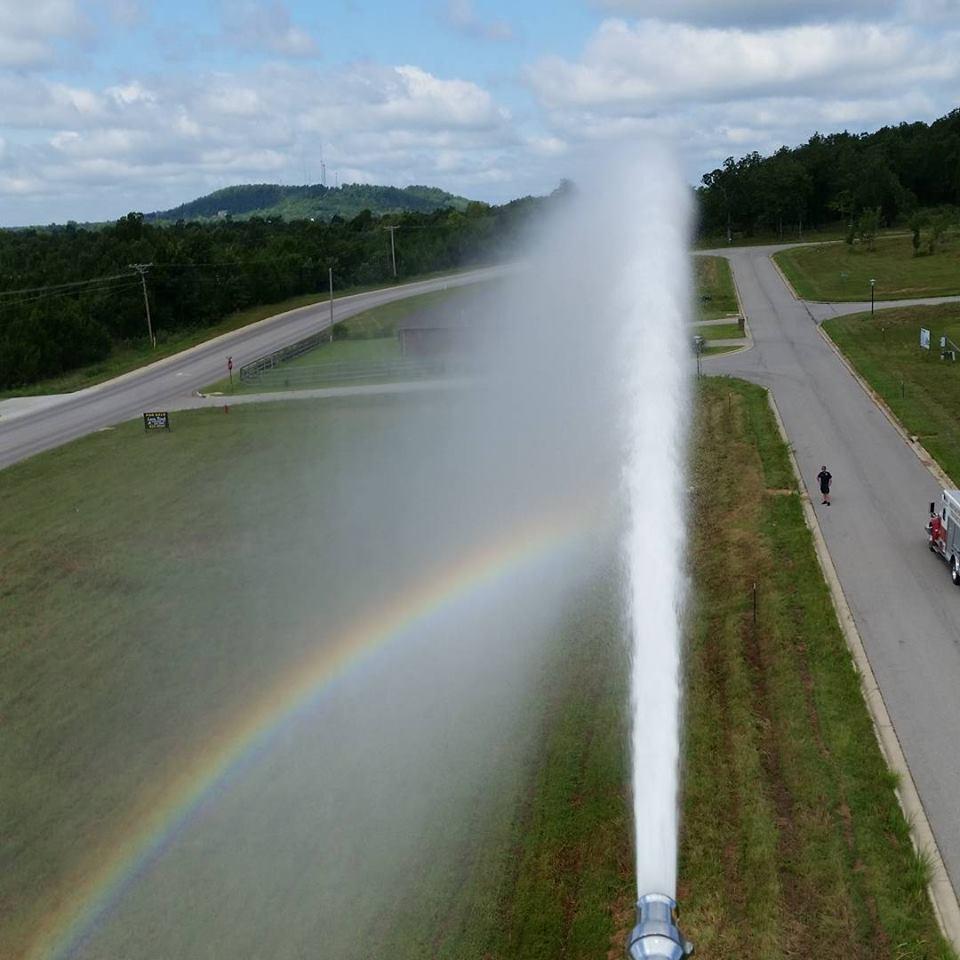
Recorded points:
34,298
63,286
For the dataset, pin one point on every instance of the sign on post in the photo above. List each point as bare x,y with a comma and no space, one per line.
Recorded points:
924,338
156,420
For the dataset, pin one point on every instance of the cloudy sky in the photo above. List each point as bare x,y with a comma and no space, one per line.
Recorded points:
108,106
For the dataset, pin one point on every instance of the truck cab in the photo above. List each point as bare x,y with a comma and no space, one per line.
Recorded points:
943,531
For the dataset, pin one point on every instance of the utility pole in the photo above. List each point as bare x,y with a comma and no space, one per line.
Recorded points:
393,251
331,303
142,269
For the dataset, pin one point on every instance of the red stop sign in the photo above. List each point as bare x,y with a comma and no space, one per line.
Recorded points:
229,363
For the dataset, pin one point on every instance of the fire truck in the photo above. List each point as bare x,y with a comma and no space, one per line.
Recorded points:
943,531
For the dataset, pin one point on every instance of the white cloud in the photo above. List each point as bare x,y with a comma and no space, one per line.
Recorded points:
265,26
636,67
150,145
30,30
753,13
718,92
461,16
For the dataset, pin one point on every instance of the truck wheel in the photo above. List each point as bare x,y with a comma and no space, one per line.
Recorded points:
955,571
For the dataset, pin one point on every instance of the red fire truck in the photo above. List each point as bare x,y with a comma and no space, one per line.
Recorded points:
943,531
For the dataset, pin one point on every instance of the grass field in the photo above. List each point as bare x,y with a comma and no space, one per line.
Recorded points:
920,388
156,584
840,272
719,331
714,287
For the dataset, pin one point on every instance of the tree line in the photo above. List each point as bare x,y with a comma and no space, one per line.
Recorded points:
68,294
902,174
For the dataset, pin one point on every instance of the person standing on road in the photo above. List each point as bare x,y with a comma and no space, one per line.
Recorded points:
824,476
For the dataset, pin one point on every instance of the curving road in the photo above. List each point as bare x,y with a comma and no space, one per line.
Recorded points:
163,383
906,608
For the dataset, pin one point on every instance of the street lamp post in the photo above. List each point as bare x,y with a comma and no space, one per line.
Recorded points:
872,285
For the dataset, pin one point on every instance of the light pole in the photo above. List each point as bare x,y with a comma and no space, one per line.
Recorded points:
142,269
872,285
393,250
331,302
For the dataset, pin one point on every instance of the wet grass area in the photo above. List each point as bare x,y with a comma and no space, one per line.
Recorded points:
157,586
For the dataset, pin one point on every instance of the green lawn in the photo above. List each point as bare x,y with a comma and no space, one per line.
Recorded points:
719,331
714,287
792,836
920,388
839,272
156,584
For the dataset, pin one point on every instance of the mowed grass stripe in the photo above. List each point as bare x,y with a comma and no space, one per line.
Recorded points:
714,286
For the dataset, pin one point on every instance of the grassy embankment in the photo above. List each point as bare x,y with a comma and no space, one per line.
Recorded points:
115,579
922,390
135,354
713,282
841,272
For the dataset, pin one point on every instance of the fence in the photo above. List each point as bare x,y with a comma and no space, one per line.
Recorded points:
325,374
250,372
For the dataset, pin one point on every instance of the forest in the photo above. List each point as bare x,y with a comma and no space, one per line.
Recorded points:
69,294
907,174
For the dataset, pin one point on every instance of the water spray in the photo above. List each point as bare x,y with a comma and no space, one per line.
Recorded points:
656,935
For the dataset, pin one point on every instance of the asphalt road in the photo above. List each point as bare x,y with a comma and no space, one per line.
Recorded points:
900,594
162,384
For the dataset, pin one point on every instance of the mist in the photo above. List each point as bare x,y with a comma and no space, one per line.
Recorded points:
559,461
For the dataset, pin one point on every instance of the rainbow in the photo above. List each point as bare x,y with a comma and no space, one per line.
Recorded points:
98,891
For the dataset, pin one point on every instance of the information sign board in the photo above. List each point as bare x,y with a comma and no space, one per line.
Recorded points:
156,420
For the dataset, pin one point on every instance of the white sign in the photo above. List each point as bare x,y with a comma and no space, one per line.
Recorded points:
924,338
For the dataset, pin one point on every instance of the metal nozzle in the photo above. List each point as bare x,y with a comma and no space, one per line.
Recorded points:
656,935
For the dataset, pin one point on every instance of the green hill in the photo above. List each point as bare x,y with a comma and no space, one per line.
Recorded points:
313,201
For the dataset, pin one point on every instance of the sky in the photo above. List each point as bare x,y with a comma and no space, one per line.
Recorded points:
108,106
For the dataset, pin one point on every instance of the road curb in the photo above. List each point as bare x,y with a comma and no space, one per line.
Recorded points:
942,895
918,449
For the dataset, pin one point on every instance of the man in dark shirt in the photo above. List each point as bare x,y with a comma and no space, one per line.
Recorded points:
824,476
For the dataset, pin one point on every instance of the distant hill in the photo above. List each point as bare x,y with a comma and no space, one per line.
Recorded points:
316,201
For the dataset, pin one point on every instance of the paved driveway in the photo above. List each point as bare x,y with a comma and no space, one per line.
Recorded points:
906,608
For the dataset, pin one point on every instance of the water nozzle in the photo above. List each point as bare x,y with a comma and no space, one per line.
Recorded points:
656,935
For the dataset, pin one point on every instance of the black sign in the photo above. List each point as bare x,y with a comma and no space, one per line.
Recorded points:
158,420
